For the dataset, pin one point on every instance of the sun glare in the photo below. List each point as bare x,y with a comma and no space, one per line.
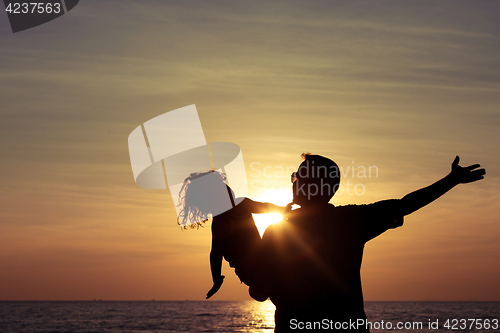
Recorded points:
278,197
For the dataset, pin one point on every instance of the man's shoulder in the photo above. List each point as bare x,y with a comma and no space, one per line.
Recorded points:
347,207
321,216
343,210
379,205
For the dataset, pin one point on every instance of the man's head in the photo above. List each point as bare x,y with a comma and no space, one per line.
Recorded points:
316,180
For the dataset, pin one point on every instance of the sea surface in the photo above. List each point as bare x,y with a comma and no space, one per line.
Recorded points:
230,316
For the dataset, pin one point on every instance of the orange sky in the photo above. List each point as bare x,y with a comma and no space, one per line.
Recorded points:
401,86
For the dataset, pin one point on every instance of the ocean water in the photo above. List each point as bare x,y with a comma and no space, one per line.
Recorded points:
230,316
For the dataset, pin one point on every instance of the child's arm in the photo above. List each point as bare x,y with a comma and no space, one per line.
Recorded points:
458,175
219,231
215,267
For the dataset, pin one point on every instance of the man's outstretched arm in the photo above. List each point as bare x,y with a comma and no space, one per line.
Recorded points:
458,175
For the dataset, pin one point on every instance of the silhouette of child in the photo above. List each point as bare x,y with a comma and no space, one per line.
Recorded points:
235,237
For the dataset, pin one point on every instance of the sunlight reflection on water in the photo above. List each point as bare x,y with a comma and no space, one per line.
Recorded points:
263,315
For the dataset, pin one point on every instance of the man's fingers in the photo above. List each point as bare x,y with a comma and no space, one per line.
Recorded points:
475,176
480,172
455,161
472,167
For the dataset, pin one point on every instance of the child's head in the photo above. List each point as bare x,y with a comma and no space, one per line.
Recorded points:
203,195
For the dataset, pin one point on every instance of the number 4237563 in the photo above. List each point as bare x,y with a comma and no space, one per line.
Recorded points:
471,324
33,8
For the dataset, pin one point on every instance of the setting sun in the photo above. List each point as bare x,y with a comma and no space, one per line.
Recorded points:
279,197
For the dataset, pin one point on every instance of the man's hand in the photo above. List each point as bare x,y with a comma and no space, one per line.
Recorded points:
216,286
463,175
458,175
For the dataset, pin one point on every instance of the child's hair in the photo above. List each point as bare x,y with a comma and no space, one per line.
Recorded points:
192,196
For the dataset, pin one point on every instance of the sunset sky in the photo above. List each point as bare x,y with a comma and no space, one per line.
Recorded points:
402,86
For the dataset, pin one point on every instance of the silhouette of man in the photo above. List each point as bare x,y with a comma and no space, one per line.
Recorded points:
310,263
